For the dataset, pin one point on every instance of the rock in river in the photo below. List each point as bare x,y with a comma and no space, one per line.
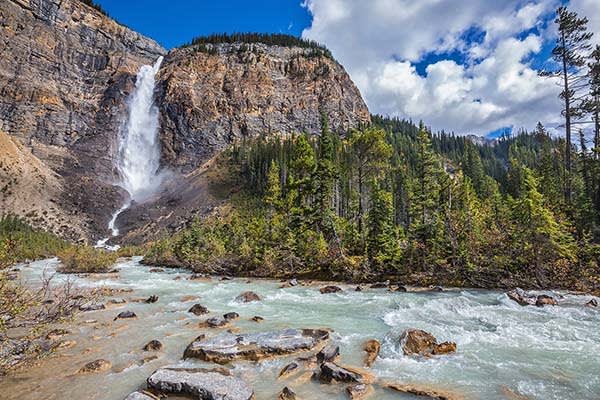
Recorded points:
248,297
592,303
419,342
215,322
125,315
521,297
359,391
287,394
372,348
200,383
198,309
330,289
95,366
140,396
332,373
231,315
289,369
255,346
153,345
328,354
545,300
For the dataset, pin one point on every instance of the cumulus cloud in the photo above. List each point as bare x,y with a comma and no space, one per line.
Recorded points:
479,75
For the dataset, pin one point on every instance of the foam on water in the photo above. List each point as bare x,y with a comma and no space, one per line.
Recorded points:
544,353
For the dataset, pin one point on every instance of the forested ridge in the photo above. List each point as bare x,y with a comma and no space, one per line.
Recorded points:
394,201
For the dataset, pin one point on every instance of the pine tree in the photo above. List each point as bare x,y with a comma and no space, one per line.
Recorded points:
370,154
325,175
382,241
570,52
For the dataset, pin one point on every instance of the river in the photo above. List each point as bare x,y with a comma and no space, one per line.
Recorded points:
503,348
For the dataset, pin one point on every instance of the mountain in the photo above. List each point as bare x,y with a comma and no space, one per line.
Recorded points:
66,72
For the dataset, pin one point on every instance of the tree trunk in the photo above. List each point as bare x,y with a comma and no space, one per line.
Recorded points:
568,194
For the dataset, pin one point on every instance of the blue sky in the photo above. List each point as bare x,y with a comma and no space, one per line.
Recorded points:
463,66
177,21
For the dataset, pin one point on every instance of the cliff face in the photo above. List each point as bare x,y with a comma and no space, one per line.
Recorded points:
65,73
208,99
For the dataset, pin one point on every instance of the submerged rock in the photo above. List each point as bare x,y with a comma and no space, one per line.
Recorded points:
198,309
153,345
140,396
287,394
203,384
152,299
422,391
332,373
231,315
156,270
372,348
215,322
545,300
125,315
257,319
419,342
592,303
328,354
92,307
289,369
99,365
330,289
360,391
521,297
248,297
228,347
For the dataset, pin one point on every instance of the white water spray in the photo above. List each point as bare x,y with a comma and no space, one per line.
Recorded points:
139,151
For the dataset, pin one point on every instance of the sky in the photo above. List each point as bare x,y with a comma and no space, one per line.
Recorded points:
468,67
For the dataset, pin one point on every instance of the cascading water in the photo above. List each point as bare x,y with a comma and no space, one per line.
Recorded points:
139,151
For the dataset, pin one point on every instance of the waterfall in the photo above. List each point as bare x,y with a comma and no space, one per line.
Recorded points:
139,149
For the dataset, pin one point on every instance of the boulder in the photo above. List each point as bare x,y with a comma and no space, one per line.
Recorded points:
545,300
214,322
200,383
330,289
332,373
229,347
125,315
521,297
359,391
99,365
198,309
372,348
419,342
358,289
592,303
289,369
287,394
152,299
248,297
153,345
293,282
328,354
231,315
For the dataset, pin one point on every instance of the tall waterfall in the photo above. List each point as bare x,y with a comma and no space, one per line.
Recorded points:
139,151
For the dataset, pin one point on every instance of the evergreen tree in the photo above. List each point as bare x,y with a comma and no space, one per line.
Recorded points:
382,241
570,53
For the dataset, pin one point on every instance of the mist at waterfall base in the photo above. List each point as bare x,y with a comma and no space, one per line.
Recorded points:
138,157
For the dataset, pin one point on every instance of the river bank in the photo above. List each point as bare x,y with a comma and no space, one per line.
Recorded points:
502,347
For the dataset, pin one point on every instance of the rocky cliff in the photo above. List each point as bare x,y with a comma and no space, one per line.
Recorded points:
66,70
212,96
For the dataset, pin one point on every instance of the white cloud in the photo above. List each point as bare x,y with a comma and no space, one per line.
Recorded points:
381,41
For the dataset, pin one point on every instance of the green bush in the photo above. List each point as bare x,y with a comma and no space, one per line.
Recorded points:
86,259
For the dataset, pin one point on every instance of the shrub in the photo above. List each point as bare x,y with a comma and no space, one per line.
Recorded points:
85,259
